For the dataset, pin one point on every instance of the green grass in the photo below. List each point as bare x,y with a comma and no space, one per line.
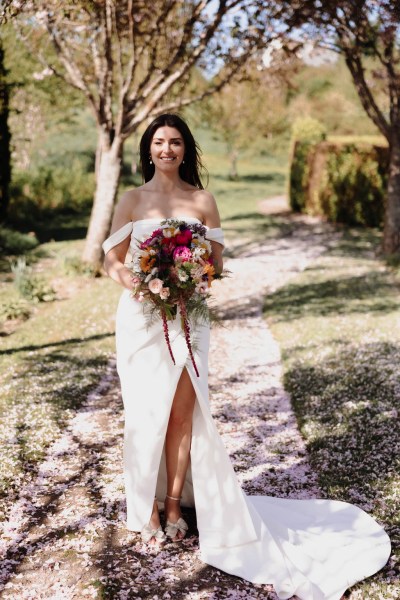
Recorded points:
338,327
48,366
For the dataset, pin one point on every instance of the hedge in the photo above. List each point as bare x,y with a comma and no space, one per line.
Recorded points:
344,181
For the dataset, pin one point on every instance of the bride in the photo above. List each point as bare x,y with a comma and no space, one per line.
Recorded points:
173,455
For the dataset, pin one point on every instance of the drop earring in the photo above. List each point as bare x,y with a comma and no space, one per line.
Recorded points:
150,161
183,162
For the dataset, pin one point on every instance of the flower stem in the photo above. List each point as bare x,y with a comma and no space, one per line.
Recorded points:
186,330
166,334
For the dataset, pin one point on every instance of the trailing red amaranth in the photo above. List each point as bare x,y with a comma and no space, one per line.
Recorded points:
186,330
173,268
166,334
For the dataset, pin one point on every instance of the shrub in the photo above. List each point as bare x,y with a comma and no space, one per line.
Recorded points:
344,181
14,309
30,286
306,132
39,193
73,265
353,189
14,242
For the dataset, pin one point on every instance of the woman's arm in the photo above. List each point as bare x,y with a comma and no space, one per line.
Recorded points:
209,210
115,258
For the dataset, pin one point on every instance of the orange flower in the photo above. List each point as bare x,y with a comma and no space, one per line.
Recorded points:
147,263
210,271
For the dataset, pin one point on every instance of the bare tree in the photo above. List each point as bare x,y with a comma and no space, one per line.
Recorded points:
133,60
365,31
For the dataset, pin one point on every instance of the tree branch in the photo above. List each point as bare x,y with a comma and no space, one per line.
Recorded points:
367,100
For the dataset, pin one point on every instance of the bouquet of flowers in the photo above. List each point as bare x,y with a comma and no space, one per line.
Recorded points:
173,268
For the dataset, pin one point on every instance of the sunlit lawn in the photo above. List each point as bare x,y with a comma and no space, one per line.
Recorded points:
338,325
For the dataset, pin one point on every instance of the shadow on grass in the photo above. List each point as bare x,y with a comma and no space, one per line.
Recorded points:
373,292
30,347
121,567
358,242
275,176
60,224
349,400
62,381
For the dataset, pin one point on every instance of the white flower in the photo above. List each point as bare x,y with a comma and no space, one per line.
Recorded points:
197,252
208,245
182,275
164,293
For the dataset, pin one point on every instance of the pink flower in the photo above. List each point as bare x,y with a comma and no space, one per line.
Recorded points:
184,237
156,232
202,287
164,293
182,253
155,285
151,240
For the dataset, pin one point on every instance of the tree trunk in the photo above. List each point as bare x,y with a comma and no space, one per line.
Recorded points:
391,232
109,169
233,172
5,139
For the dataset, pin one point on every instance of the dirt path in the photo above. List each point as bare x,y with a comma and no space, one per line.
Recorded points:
66,538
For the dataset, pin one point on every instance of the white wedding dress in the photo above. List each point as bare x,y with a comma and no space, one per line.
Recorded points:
314,549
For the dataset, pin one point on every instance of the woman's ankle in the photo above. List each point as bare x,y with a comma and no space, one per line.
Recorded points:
155,516
172,507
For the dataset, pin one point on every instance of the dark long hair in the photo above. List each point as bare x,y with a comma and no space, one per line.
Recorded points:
192,169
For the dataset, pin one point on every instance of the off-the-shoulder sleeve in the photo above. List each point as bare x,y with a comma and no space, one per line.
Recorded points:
117,237
216,234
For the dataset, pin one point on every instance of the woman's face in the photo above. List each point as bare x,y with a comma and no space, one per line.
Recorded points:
167,148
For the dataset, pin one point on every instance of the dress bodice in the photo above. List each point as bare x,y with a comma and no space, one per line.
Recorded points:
142,227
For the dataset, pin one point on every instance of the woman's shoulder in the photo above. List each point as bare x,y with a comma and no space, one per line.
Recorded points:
203,196
207,206
129,199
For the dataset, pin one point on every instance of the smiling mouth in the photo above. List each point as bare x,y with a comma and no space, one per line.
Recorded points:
168,158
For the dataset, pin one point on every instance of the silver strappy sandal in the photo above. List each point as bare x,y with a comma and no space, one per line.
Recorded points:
172,529
148,532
